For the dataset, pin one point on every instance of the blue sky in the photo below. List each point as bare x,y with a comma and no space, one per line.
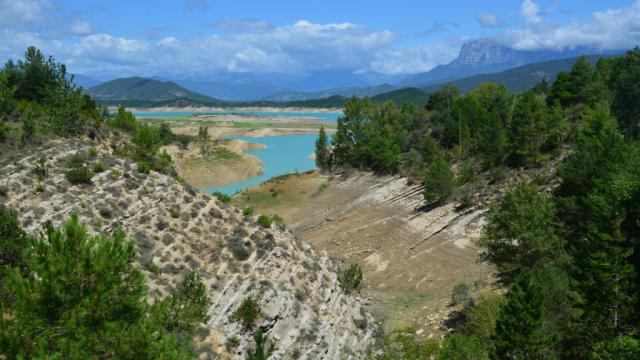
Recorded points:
198,38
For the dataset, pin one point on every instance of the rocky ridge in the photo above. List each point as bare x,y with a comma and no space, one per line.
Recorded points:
176,229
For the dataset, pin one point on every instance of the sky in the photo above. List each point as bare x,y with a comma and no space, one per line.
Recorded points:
201,38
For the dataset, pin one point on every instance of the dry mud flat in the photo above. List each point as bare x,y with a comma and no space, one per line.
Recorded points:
411,259
225,162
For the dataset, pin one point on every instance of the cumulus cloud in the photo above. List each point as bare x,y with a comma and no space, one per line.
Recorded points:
530,11
416,59
81,28
21,13
489,20
613,29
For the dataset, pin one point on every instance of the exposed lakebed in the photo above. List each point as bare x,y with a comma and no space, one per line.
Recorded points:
283,154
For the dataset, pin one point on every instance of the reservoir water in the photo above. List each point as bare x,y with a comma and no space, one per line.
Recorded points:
326,117
284,154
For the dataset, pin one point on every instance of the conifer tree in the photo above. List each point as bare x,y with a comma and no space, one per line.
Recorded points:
519,328
323,154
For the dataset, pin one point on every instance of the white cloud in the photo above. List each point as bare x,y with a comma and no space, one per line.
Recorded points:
489,20
613,29
415,60
21,13
530,12
81,28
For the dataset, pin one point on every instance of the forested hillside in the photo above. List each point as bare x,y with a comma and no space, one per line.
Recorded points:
569,259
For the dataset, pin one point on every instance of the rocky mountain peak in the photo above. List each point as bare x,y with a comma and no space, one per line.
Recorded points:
484,52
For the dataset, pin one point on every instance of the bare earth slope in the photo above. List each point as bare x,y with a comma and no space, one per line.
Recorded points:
303,308
411,259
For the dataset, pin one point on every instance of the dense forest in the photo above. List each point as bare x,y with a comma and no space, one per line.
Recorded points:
570,259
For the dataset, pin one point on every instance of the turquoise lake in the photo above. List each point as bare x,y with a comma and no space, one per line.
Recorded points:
284,154
327,117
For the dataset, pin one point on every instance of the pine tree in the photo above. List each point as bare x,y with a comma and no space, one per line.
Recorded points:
323,155
527,129
598,200
519,328
82,297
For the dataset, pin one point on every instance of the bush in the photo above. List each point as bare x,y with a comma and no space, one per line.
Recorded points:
277,219
41,169
350,278
79,175
248,312
144,167
98,167
403,344
248,211
14,240
93,152
222,197
114,175
460,293
438,182
462,347
264,221
467,174
260,352
175,213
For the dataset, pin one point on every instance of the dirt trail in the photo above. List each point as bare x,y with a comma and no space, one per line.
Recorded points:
411,259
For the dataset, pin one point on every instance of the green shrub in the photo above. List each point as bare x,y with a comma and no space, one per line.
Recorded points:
175,213
114,175
460,293
76,160
144,167
248,312
248,211
618,348
260,352
98,167
222,197
41,169
93,152
463,347
467,174
80,175
323,187
39,187
14,240
350,278
438,182
277,219
232,343
403,344
154,268
264,221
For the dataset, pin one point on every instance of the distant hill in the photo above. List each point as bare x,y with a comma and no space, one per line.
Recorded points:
518,79
346,92
401,96
84,81
145,90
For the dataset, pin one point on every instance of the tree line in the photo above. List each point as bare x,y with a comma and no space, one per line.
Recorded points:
570,260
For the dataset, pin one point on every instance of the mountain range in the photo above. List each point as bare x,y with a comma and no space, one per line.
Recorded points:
479,61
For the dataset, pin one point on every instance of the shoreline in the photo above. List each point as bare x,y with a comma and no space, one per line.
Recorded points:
238,109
